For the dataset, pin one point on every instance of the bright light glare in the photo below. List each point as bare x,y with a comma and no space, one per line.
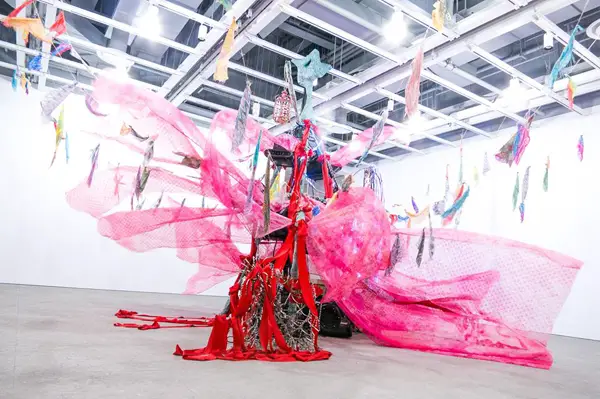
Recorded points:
416,123
117,73
515,93
395,30
149,23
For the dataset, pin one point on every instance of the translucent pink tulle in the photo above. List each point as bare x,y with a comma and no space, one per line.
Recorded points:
478,296
359,145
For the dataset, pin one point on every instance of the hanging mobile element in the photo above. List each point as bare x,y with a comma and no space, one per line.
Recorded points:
438,15
571,87
149,153
565,57
377,130
282,107
546,174
15,80
309,69
94,159
223,60
431,239
420,248
524,194
515,195
67,144
141,179
226,4
58,131
414,204
34,26
580,148
291,91
413,87
35,64
267,198
248,205
242,118
54,98
395,255
486,164
514,148
452,213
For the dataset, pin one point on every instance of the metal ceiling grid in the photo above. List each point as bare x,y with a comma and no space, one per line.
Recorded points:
271,27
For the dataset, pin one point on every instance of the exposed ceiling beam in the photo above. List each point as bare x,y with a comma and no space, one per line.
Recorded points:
118,25
414,12
427,74
435,113
563,37
534,84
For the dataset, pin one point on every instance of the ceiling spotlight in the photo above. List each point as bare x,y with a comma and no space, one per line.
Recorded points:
202,32
548,41
515,93
149,23
395,29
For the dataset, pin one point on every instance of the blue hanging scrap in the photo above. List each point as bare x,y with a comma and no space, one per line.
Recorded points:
35,64
565,57
15,80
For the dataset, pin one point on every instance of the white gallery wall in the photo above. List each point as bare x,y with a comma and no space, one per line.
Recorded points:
563,219
45,242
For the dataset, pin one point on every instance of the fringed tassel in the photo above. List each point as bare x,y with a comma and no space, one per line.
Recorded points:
431,239
94,159
515,195
249,198
421,249
545,184
239,132
221,74
267,198
395,255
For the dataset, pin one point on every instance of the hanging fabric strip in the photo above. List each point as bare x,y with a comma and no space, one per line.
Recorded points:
524,194
571,87
377,130
59,27
61,49
565,57
580,148
515,195
267,198
452,213
58,132
242,117
67,144
438,15
15,80
420,248
221,74
486,164
413,87
545,184
35,64
94,159
414,204
431,239
395,255
249,197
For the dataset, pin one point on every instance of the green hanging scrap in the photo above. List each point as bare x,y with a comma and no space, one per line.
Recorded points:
546,174
226,4
524,191
515,195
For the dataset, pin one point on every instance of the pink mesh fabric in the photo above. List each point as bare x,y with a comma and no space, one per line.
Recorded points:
349,241
479,297
358,146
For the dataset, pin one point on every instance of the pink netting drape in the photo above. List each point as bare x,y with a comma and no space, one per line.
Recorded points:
358,145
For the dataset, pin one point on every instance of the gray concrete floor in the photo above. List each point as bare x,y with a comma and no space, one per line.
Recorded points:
60,343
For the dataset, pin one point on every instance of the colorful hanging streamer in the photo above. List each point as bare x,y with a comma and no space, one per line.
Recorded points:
580,148
460,198
565,57
414,204
15,80
61,49
241,118
545,183
34,26
514,148
515,195
35,64
438,15
221,74
377,131
571,87
413,87
94,161
524,191
486,164
248,206
58,132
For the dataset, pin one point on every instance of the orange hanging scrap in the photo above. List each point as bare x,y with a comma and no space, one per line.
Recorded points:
35,26
223,60
571,87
